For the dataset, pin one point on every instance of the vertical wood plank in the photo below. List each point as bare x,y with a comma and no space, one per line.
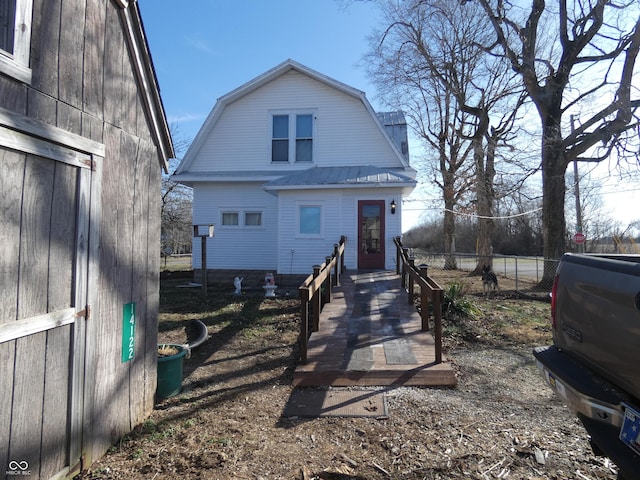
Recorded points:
94,44
62,238
106,299
127,159
7,352
45,33
70,67
69,118
41,107
55,435
113,60
78,333
130,94
153,272
13,95
12,167
34,237
92,128
141,249
92,328
26,411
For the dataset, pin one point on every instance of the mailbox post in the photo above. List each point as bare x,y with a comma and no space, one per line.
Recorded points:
204,232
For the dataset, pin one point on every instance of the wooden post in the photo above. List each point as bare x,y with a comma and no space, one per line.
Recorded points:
437,318
405,256
424,299
336,267
329,281
398,255
411,270
304,323
203,244
316,302
343,240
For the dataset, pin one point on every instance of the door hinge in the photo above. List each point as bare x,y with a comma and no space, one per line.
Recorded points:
85,312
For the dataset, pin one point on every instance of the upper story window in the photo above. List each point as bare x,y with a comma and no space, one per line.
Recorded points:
15,38
292,137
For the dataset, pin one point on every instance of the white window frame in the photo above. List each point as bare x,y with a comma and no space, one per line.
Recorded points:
299,207
232,212
16,63
248,212
292,138
242,217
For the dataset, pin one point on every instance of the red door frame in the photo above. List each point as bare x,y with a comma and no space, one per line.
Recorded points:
371,250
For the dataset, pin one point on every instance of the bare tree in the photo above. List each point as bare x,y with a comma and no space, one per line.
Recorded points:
427,60
572,56
176,207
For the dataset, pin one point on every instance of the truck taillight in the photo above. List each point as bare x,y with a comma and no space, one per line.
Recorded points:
554,290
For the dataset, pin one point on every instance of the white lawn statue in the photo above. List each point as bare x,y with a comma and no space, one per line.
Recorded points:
237,282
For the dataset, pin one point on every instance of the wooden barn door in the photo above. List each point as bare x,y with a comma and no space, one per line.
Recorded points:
371,234
44,279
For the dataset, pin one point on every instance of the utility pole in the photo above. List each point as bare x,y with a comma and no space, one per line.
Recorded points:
577,194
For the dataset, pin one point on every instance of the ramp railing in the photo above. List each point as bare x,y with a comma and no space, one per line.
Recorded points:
315,292
431,294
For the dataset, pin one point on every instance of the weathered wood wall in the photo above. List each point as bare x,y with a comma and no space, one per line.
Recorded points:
83,83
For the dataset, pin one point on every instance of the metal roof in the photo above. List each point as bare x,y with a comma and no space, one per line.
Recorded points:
392,118
353,176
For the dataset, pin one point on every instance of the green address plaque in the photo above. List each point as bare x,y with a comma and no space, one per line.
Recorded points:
128,331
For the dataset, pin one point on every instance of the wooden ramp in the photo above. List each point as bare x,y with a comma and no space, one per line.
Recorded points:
370,335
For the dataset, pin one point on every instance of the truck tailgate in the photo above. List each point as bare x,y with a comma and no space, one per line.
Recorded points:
598,305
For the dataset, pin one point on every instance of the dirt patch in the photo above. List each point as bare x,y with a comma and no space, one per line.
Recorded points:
501,421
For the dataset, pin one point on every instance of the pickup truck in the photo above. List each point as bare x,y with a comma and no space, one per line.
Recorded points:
594,363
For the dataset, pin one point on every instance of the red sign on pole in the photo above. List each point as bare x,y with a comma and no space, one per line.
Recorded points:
579,238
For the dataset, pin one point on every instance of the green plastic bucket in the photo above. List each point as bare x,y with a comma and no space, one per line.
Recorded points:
170,372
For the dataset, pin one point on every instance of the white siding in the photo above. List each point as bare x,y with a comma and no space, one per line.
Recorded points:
345,132
297,254
241,247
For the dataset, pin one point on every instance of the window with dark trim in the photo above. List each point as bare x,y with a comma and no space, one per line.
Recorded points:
292,137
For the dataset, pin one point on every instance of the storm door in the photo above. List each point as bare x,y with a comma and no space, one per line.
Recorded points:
371,234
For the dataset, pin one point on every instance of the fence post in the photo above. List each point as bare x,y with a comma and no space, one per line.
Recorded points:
424,299
336,271
328,281
405,256
411,270
304,323
316,302
437,323
398,259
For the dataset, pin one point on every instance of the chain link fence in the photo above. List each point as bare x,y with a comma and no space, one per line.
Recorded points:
526,274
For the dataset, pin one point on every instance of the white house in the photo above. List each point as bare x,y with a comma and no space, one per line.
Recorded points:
289,162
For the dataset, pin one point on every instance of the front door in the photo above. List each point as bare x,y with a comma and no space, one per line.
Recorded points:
371,234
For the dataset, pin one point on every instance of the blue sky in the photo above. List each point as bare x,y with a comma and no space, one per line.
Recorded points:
206,48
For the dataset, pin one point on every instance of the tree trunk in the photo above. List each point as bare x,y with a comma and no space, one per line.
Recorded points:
449,222
485,173
554,166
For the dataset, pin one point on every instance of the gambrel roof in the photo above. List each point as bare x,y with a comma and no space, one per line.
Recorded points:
183,172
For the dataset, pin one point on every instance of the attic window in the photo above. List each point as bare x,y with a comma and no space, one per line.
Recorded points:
15,38
292,137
